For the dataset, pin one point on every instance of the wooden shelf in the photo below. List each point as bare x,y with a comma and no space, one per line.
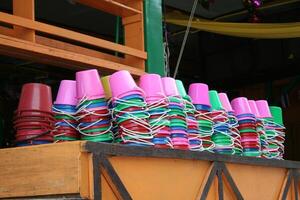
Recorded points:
18,48
87,170
24,40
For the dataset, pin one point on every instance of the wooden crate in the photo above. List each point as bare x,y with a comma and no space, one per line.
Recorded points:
86,170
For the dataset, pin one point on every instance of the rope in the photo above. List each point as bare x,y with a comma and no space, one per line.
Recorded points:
185,37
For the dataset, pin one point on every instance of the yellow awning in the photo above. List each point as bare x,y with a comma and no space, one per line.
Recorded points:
248,30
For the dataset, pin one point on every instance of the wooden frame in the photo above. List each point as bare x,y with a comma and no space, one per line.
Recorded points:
24,41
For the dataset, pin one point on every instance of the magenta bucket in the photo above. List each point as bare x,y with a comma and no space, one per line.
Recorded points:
225,102
170,87
89,85
199,94
254,109
263,109
122,84
241,106
67,93
152,85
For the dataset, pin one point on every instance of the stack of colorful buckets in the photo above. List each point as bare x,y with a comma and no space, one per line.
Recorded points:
247,126
65,111
200,98
33,120
158,113
92,110
279,129
195,142
157,106
260,129
177,116
224,142
233,124
274,129
130,111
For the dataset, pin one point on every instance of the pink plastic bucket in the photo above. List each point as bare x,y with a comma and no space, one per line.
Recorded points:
199,94
121,83
152,85
170,87
254,109
241,106
89,85
180,141
67,93
225,102
263,109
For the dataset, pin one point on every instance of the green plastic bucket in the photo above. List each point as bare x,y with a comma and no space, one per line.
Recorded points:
215,100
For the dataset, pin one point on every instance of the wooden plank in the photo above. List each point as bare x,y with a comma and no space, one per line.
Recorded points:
77,49
40,170
24,8
84,172
39,53
122,150
7,31
72,35
134,34
119,8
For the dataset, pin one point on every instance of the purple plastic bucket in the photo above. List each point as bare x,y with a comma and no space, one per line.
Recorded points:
152,85
89,85
241,106
225,102
254,108
66,93
170,87
199,94
122,84
263,109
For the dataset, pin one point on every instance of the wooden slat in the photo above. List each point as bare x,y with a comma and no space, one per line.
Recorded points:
7,31
24,8
40,170
119,8
72,35
39,53
77,49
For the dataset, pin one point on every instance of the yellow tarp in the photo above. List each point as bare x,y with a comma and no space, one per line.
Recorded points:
248,30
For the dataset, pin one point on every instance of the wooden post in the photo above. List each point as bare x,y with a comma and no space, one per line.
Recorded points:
24,8
134,34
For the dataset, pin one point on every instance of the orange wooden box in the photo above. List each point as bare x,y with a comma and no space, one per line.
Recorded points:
86,170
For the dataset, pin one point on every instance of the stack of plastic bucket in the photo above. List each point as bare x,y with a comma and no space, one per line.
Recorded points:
157,104
274,139
108,96
233,124
65,111
279,127
260,128
93,113
224,142
200,98
176,113
195,141
33,120
247,126
130,111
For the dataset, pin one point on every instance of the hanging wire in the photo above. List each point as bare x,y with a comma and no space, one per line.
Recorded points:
166,44
185,36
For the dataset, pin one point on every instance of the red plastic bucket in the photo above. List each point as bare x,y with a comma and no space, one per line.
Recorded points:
35,96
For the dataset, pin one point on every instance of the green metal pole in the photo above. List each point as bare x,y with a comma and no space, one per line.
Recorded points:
154,36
